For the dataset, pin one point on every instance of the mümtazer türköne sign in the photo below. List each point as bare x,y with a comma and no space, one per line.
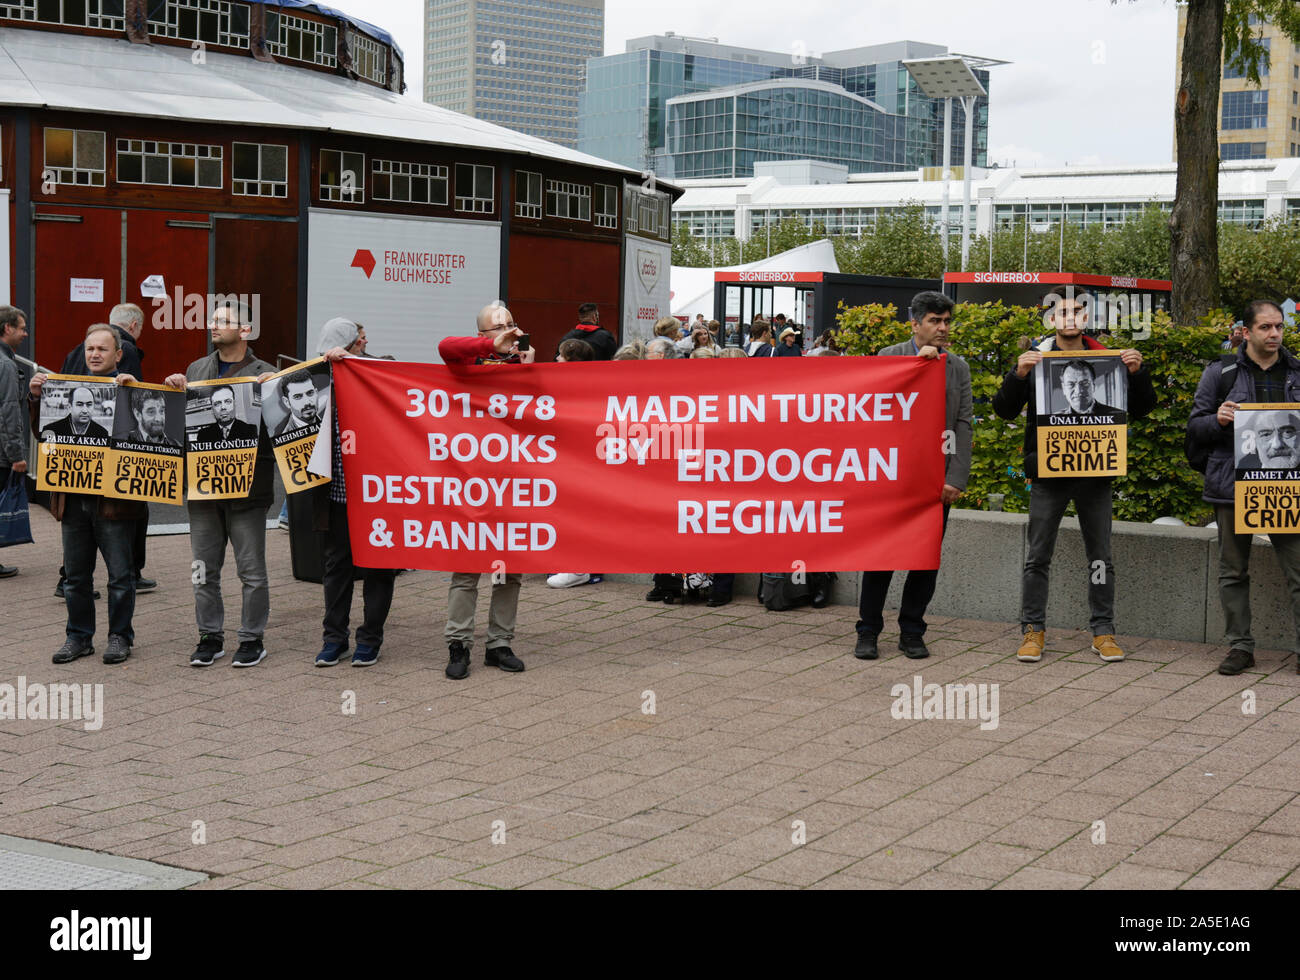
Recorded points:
642,466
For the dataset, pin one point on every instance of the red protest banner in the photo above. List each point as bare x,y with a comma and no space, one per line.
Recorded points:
644,466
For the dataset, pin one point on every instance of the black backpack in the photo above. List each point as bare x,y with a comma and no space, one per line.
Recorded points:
1198,453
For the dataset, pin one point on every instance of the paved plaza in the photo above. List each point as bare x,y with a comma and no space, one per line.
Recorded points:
1151,773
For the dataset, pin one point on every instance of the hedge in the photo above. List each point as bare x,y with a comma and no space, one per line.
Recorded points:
991,336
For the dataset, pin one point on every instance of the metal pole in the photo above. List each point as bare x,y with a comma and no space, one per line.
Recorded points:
993,227
947,175
1024,267
1060,255
968,104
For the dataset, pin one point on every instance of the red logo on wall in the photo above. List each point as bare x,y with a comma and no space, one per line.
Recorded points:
364,261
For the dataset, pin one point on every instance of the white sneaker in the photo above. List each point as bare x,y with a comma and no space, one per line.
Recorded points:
567,580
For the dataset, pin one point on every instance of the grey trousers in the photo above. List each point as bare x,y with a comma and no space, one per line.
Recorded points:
1047,502
503,610
213,523
1234,578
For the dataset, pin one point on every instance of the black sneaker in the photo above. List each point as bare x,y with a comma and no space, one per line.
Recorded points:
866,648
458,663
913,646
1236,661
504,658
210,648
118,650
250,654
143,584
73,649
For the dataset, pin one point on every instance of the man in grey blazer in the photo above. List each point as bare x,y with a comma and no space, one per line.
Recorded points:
931,315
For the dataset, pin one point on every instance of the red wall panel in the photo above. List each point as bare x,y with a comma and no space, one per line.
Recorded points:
90,248
551,277
180,256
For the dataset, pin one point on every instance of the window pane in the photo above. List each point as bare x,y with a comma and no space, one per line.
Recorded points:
382,186
155,170
420,190
402,188
58,148
210,173
183,172
245,161
130,168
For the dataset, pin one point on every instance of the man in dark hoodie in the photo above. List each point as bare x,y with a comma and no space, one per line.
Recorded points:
1048,498
1264,371
590,330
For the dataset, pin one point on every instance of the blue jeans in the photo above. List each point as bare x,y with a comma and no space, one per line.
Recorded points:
84,533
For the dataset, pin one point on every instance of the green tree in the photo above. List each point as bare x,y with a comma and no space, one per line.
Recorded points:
1216,32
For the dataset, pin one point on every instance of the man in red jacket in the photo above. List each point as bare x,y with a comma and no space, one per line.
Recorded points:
497,342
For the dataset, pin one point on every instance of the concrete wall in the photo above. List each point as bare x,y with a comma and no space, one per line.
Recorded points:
1166,580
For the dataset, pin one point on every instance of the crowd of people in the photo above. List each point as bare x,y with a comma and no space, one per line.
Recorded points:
1262,371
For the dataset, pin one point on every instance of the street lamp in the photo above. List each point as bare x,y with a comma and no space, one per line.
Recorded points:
946,78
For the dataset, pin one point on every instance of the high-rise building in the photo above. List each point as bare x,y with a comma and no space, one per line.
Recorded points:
685,107
518,64
1257,122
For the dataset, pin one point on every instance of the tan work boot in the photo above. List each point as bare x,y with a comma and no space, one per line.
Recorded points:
1106,647
1031,650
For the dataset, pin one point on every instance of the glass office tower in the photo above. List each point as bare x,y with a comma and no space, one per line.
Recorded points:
518,64
624,110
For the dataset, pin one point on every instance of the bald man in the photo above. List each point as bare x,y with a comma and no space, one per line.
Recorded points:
496,342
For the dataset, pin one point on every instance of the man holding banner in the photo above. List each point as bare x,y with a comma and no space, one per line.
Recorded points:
1266,373
1055,485
239,521
496,343
931,314
91,521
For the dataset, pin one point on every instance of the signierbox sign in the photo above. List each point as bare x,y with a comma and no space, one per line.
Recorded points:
646,269
409,281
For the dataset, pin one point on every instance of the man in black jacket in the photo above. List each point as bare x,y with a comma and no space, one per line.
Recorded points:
1264,371
590,330
1049,497
224,426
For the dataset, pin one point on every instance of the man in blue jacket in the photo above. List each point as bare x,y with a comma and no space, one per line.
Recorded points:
1264,371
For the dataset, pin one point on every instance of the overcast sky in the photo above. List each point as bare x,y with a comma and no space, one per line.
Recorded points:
1090,82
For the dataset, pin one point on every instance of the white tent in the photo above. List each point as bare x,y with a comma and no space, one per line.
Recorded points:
692,289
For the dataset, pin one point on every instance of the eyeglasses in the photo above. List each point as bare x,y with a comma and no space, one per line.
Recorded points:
500,326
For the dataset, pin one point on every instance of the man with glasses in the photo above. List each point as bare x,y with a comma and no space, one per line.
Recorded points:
1048,498
497,343
240,522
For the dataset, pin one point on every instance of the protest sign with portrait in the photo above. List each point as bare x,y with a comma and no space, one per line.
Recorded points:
147,455
1082,406
223,420
75,422
1266,453
294,404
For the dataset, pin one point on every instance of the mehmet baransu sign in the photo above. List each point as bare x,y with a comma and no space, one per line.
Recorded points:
1266,450
1082,405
